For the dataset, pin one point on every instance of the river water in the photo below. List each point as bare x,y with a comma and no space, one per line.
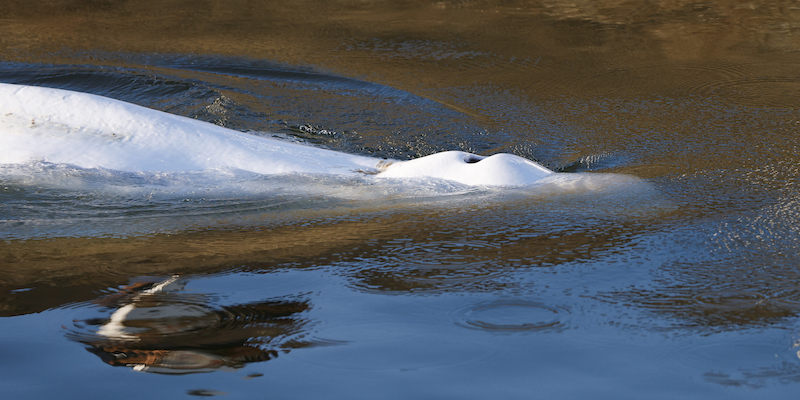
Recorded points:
680,280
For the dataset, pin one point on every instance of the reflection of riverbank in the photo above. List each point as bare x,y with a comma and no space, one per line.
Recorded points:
418,237
158,327
555,40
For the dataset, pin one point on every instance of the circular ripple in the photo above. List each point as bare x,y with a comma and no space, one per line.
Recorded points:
153,319
768,92
788,296
731,299
511,316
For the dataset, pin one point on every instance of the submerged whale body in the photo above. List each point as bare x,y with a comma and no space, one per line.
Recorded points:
90,131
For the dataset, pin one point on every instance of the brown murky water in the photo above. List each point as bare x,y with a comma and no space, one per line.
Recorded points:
683,284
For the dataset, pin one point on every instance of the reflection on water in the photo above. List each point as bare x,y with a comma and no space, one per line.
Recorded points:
682,284
155,327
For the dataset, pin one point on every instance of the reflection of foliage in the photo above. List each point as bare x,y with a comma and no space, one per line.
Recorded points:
686,27
749,277
449,255
167,332
694,307
718,296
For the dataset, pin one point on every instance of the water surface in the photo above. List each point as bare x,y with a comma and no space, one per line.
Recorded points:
681,281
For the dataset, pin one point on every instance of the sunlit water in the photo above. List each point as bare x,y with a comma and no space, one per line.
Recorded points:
679,280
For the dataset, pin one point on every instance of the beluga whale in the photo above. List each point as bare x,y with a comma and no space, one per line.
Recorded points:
57,126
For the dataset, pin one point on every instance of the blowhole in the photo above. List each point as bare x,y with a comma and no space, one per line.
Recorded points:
472,158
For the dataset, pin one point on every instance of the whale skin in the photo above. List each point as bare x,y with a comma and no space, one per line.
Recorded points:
89,131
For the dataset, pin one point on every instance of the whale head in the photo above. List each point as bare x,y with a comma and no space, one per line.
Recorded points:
470,169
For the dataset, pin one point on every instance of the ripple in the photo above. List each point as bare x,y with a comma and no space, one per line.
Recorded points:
788,295
395,345
769,92
731,299
513,316
755,364
185,321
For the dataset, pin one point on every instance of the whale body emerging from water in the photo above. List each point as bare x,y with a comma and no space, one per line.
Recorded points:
89,131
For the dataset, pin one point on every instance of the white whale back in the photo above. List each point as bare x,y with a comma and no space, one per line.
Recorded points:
89,131
470,169
64,127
